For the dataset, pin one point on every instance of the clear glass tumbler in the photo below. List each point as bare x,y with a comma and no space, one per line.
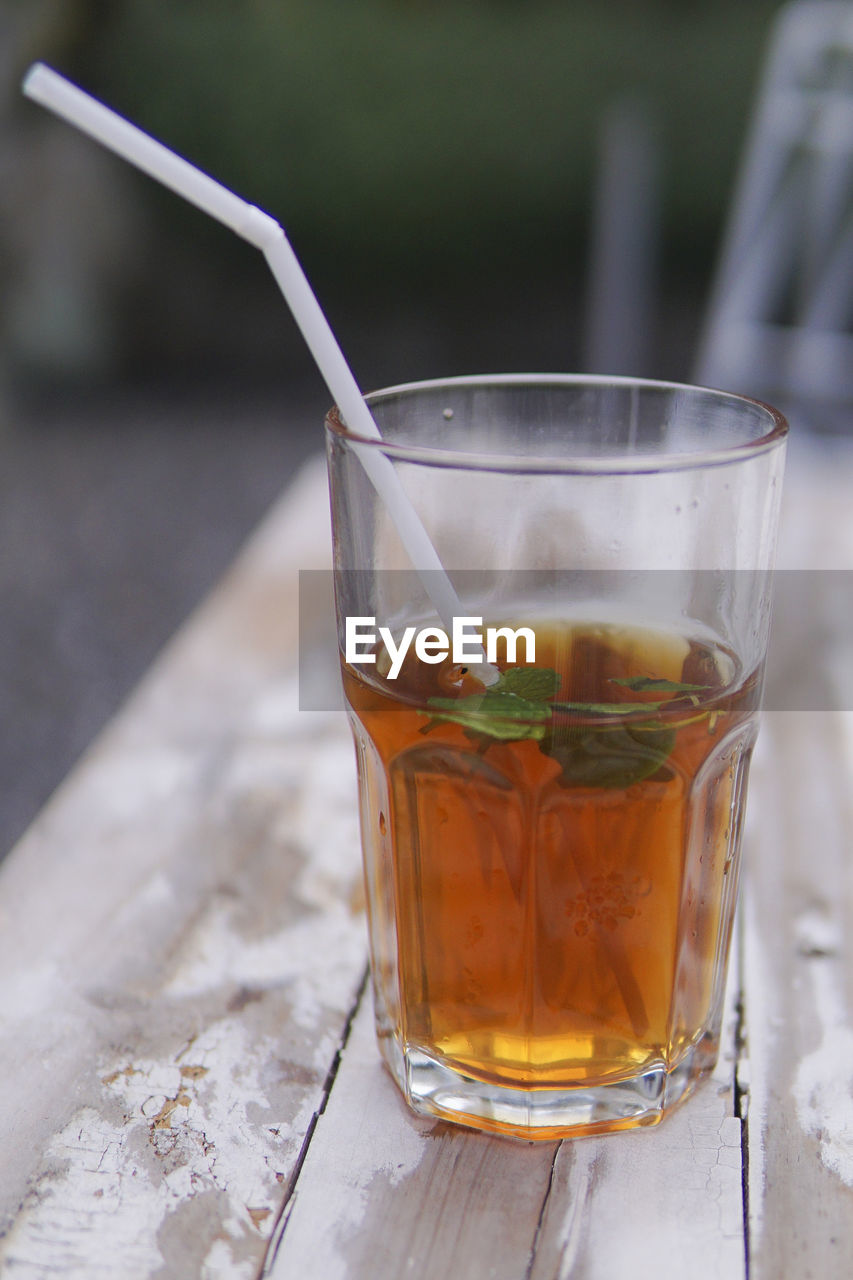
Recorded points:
551,840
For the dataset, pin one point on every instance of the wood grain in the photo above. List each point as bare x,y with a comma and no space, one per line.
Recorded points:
798,990
181,944
797,1067
191,1084
402,1196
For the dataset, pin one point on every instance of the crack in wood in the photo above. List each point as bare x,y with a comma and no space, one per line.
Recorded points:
740,1093
541,1219
283,1216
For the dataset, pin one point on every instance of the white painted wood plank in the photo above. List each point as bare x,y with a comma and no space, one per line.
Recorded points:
650,1202
385,1194
798,917
181,943
798,996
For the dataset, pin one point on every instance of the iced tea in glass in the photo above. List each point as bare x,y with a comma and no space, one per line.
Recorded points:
551,839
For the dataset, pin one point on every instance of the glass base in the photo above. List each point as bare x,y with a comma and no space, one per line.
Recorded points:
433,1088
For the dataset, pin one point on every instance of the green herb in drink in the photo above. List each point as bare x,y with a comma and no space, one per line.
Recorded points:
522,706
513,710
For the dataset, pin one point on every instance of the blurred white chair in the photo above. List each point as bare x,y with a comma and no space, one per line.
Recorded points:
780,318
622,262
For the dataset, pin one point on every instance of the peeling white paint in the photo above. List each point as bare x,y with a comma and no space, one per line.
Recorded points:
220,1265
321,825
174,1131
762,1035
132,914
192,1146
396,1148
219,956
823,1085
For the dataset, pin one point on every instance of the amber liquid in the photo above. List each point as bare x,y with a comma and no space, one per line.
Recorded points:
555,913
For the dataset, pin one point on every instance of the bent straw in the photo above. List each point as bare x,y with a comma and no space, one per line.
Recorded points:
59,95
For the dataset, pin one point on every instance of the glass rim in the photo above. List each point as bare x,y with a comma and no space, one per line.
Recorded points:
612,464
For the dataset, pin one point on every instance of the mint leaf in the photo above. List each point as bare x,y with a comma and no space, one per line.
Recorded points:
494,714
612,756
608,708
642,684
514,709
520,707
537,684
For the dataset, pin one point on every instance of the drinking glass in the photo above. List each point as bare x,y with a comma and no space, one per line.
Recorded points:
551,837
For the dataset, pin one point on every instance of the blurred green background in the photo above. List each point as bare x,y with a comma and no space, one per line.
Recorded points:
433,161
436,166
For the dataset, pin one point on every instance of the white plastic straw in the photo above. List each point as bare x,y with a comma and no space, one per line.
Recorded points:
53,91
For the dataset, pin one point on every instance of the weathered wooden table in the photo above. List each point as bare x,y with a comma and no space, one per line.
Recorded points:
189,1081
